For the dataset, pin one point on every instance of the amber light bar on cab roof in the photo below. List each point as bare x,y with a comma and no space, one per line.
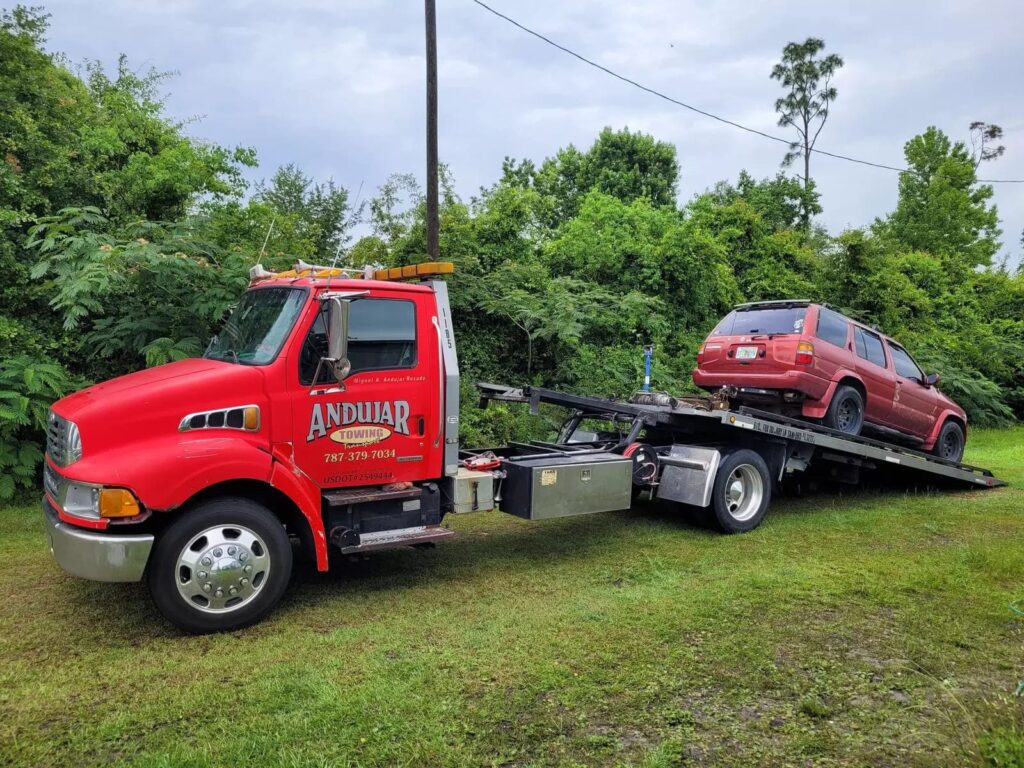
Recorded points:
369,272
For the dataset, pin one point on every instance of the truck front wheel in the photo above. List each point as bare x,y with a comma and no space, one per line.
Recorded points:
742,490
223,565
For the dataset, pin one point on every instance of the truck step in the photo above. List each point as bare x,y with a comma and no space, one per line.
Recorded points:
349,496
401,537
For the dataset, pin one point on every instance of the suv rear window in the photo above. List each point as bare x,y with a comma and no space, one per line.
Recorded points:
773,320
832,327
869,347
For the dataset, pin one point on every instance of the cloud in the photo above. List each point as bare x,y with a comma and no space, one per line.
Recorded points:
338,87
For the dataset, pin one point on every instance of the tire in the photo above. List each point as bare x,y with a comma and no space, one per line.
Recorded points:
246,550
950,443
846,411
742,491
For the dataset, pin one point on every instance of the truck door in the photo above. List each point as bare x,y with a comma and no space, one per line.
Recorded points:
381,426
877,376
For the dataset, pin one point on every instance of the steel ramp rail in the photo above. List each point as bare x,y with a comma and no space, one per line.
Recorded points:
685,417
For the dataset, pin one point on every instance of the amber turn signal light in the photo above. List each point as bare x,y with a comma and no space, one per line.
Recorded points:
118,502
252,418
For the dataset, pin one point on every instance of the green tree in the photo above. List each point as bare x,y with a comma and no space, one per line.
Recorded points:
983,137
104,147
623,164
320,211
780,201
941,208
809,96
766,258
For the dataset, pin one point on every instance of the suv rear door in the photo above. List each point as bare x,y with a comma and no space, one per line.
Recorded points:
877,375
837,350
915,404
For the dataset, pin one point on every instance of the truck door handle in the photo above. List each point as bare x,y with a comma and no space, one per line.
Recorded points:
422,426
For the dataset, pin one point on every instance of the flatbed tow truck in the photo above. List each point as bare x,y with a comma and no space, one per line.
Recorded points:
327,412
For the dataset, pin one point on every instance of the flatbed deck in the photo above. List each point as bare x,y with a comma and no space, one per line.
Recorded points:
705,420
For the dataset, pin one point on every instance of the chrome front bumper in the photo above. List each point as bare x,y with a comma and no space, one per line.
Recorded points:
94,555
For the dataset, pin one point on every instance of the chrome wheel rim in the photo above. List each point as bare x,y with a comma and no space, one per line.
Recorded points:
744,491
222,569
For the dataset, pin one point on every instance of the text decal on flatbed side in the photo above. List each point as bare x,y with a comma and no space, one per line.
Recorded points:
777,430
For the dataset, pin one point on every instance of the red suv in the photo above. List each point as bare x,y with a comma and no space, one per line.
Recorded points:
811,361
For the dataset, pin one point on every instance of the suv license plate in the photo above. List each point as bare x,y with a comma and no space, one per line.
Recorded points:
746,353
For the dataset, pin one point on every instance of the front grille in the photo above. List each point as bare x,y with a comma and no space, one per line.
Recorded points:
57,438
51,481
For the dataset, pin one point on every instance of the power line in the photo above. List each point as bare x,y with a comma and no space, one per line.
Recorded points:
699,111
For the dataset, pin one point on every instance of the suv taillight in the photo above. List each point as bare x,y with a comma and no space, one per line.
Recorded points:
804,353
700,354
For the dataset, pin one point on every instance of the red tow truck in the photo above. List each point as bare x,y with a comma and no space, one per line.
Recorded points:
324,418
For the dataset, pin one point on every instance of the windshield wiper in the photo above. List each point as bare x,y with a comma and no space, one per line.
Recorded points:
221,355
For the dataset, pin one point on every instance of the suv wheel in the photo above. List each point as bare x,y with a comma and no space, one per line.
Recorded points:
222,565
846,411
950,443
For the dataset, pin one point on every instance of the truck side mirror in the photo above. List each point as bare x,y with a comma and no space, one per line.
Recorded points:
931,380
337,338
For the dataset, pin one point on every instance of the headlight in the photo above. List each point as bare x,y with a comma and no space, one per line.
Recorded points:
73,449
81,500
93,501
63,440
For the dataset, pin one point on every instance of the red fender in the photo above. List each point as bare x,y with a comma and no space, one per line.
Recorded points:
816,409
286,477
929,442
164,472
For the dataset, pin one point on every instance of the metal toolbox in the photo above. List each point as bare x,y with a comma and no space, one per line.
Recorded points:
560,486
472,491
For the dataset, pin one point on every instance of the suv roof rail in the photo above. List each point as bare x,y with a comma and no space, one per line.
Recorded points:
775,303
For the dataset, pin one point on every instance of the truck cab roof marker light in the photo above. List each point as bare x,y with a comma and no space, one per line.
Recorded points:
370,272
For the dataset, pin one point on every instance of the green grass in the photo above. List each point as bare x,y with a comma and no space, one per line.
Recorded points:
859,629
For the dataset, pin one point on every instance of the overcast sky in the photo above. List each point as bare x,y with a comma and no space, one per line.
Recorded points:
338,87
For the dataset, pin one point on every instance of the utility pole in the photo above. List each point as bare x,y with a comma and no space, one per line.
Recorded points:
433,247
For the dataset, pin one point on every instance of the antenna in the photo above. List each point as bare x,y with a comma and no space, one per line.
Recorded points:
263,248
341,243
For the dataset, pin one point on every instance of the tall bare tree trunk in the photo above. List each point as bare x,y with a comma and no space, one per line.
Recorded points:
805,214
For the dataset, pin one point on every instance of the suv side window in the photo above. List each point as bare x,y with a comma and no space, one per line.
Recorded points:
832,327
869,347
905,365
381,336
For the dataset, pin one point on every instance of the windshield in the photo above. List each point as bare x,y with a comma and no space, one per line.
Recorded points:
254,333
772,321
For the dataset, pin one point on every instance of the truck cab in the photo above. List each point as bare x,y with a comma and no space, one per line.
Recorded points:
325,410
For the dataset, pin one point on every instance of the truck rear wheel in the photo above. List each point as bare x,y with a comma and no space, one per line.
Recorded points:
742,490
223,565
